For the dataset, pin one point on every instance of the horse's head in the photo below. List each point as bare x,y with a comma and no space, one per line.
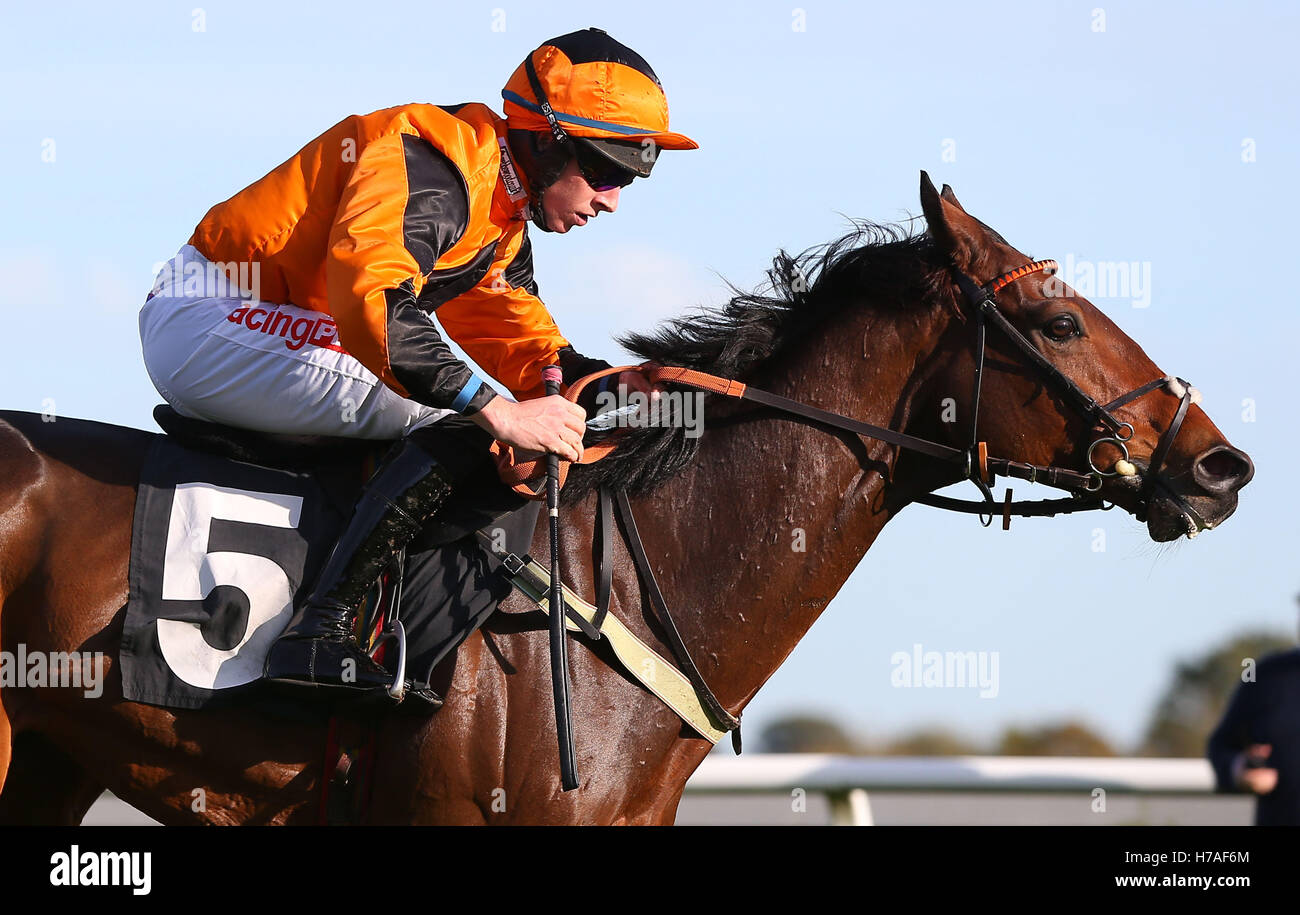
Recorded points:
1182,475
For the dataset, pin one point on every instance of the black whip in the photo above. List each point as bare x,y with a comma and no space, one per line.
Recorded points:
552,376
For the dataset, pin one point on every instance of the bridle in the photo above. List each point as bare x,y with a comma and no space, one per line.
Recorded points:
980,469
974,461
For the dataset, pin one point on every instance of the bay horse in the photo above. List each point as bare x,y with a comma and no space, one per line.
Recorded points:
872,326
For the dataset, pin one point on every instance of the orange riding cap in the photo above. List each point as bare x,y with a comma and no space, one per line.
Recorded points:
591,94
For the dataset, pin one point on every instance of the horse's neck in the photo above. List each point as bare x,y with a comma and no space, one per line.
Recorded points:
763,528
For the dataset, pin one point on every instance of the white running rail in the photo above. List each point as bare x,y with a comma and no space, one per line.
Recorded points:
845,780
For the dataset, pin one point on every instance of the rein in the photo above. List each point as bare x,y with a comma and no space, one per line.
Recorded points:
974,462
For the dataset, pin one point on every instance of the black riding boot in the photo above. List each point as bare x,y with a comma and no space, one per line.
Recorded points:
319,647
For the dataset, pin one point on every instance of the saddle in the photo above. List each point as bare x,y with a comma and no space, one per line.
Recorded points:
480,501
269,449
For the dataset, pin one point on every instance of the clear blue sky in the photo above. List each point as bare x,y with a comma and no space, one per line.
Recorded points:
1122,144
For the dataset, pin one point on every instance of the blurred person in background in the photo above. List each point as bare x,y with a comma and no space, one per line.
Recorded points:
1256,747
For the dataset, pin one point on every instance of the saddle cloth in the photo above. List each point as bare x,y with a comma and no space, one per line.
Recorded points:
222,549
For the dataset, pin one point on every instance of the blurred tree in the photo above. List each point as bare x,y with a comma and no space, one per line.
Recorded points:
1068,739
931,742
1195,699
806,734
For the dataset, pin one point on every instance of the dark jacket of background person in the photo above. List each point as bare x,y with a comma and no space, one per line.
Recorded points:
1266,711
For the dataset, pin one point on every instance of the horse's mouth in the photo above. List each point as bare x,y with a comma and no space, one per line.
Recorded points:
1169,518
1172,513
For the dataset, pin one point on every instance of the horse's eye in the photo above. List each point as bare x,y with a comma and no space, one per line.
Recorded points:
1062,327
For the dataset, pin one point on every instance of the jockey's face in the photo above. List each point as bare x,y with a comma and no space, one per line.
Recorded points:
571,201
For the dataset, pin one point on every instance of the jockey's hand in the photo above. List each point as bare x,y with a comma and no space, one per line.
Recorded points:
547,424
635,381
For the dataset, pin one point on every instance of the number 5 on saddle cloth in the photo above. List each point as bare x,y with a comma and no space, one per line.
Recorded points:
230,526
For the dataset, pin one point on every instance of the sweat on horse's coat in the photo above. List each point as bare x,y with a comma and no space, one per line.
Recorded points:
717,526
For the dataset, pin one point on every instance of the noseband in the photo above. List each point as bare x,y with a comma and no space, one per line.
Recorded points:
981,469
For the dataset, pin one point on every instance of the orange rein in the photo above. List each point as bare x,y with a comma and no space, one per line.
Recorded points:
524,476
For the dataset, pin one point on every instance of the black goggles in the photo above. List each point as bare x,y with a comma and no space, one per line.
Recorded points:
599,172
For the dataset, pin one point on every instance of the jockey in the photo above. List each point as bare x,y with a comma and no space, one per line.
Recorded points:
304,303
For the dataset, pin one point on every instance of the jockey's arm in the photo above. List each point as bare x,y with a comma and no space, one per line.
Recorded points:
503,325
403,207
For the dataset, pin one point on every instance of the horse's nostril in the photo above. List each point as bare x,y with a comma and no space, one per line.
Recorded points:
1223,469
1221,464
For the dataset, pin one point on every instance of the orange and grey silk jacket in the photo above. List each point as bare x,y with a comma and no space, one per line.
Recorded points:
389,216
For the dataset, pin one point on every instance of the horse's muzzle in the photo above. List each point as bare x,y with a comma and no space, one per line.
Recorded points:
1201,498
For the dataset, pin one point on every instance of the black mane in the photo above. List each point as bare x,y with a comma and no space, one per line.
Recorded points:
892,265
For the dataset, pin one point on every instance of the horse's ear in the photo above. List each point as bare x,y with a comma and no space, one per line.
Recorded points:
949,196
959,236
